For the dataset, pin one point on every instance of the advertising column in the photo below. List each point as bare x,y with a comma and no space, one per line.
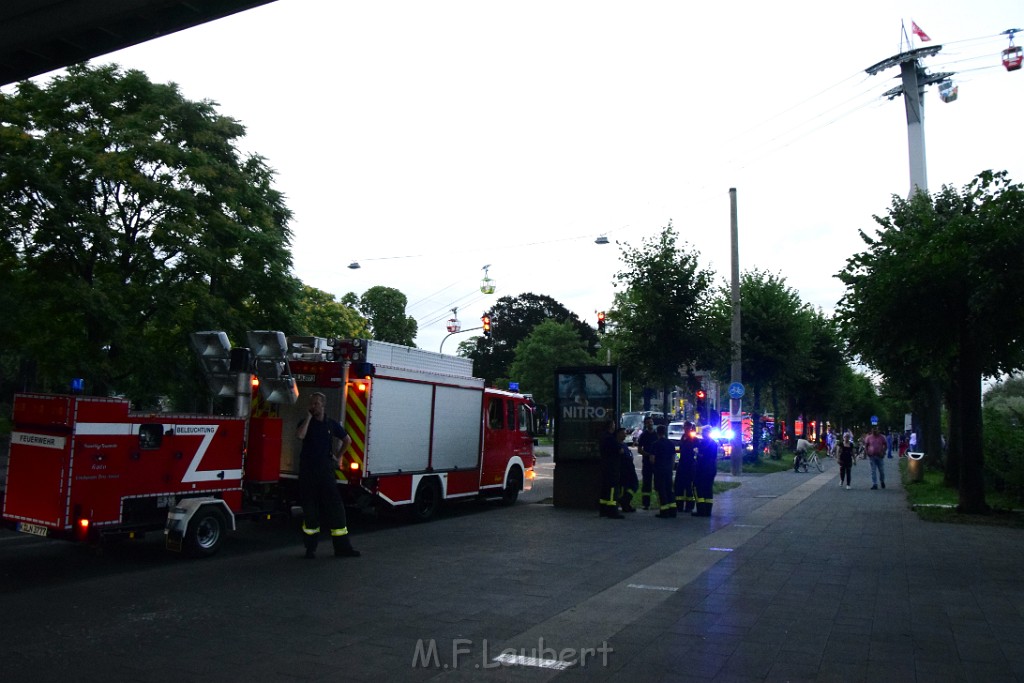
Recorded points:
587,399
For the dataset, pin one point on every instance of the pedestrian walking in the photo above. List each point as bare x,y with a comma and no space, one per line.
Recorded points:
643,447
704,473
874,449
685,496
318,487
664,458
845,461
611,469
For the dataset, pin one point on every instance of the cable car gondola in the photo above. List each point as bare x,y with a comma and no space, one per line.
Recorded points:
948,91
453,323
1013,56
487,285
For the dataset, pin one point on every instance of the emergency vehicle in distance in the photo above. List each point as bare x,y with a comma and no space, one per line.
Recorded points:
423,429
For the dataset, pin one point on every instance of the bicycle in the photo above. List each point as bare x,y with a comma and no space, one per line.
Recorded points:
806,461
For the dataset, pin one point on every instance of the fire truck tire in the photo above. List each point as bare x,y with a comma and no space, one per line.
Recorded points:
513,485
427,500
206,532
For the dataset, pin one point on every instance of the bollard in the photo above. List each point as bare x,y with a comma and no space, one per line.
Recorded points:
915,466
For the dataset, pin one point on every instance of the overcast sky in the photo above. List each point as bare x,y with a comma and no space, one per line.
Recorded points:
427,139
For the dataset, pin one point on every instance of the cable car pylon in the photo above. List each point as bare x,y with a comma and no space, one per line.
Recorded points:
914,78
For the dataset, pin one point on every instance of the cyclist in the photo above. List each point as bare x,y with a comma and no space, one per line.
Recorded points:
802,446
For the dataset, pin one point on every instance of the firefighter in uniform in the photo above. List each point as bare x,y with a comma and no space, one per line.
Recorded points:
704,473
685,468
628,483
611,468
664,452
318,487
643,445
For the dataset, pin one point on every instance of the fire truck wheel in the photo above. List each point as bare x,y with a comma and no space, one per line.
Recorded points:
513,486
206,532
427,500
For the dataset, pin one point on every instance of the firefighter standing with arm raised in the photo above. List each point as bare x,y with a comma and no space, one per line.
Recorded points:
704,472
318,487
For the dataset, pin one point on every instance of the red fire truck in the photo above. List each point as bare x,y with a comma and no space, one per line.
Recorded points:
423,431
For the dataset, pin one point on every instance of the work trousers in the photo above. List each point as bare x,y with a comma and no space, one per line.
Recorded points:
704,485
610,478
646,477
321,503
663,487
685,497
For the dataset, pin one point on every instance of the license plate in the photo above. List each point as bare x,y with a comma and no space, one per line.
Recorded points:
34,529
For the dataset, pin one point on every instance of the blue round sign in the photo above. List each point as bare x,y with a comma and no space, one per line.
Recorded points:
874,419
736,390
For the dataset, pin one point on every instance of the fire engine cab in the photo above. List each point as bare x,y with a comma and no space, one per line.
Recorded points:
423,431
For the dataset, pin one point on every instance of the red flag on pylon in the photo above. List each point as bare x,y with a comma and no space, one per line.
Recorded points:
916,30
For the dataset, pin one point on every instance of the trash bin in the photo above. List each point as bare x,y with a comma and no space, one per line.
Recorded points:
915,466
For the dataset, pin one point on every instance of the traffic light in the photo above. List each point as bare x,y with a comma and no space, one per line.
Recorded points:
700,397
486,322
600,321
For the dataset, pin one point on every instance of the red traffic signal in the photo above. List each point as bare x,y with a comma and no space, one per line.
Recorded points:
600,321
701,395
486,323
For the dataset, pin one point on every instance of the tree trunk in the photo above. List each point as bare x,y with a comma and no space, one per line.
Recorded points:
932,428
954,450
755,422
972,460
791,421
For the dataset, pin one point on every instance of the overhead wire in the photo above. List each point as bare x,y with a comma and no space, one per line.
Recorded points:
864,98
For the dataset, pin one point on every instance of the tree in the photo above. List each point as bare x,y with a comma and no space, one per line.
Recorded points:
661,318
384,309
513,319
946,267
320,314
130,219
550,345
776,339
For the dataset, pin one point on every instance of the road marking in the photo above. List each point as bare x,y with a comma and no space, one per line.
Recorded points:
520,660
653,588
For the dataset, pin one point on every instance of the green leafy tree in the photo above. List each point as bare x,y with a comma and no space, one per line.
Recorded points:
550,345
129,219
513,319
660,319
945,266
320,314
1004,436
384,309
823,372
775,341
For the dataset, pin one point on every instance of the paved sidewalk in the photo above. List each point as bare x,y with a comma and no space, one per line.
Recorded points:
797,579
801,580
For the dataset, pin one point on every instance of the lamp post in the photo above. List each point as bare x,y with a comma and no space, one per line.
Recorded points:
736,400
